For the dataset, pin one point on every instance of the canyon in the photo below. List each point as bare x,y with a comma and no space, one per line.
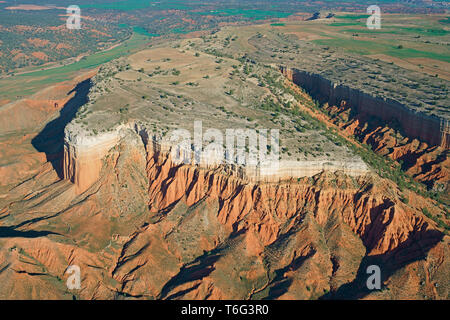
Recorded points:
431,129
418,141
148,228
83,159
101,189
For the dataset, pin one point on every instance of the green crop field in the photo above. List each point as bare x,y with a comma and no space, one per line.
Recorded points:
353,16
400,36
131,5
345,24
29,83
365,47
248,13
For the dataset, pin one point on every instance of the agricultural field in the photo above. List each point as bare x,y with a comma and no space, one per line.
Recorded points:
224,150
419,42
20,85
33,34
37,38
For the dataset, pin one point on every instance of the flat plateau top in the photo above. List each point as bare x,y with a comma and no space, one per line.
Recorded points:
169,87
293,47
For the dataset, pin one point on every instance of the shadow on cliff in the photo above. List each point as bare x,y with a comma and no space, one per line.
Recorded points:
281,284
197,270
51,139
413,249
8,232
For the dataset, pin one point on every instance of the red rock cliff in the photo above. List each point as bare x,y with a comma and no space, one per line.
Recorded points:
430,129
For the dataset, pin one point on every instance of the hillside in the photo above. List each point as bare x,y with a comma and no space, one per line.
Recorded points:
93,181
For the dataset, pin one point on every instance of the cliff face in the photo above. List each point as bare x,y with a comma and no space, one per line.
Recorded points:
427,163
430,129
149,228
239,192
84,154
141,226
265,202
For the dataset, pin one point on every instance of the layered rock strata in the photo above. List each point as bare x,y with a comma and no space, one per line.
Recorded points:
83,155
428,128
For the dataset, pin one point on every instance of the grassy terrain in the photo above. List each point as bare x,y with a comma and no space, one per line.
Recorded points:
365,47
139,30
353,16
131,5
29,83
401,36
248,13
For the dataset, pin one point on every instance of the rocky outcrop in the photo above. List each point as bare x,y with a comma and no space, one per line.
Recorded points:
83,155
30,113
240,193
427,164
240,198
84,152
141,226
149,228
428,128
